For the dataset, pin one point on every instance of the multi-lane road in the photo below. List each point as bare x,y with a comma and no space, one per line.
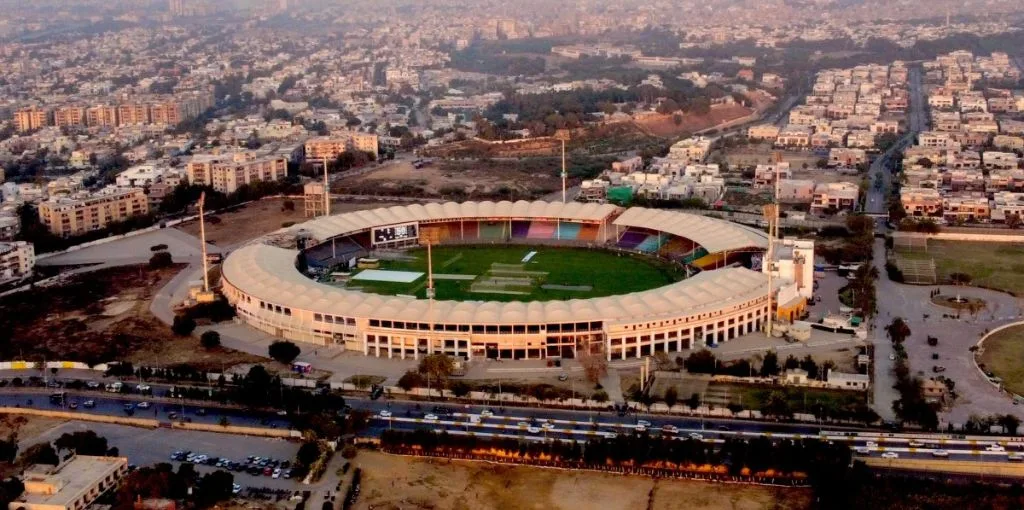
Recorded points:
546,424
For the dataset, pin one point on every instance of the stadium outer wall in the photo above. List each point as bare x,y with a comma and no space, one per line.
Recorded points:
712,307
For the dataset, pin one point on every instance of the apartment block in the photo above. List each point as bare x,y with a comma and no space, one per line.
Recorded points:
69,116
85,212
101,116
130,114
28,119
227,172
16,260
331,146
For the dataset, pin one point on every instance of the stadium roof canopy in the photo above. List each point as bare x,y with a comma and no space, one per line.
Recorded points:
269,274
332,226
713,234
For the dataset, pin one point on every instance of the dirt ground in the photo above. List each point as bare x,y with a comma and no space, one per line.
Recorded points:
393,482
103,316
665,126
265,216
476,178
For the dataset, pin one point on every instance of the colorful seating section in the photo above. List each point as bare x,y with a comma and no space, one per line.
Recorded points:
520,229
649,245
589,232
568,231
494,231
541,230
630,239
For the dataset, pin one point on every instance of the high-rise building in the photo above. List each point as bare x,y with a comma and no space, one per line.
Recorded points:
85,212
68,116
227,172
132,113
101,116
331,146
28,119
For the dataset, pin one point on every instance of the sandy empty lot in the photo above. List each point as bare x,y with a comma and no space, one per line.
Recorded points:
393,482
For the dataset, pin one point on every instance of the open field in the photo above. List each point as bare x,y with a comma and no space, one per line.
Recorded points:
262,217
665,125
502,276
98,317
800,400
993,265
474,179
1004,356
392,483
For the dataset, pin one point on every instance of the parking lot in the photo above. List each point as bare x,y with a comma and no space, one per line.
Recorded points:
145,447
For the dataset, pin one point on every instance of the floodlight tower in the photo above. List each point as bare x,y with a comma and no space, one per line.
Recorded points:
563,135
327,191
202,243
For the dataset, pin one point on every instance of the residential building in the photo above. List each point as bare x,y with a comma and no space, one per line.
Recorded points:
69,116
968,207
16,260
226,172
794,136
920,201
101,116
129,114
331,146
796,191
834,196
994,160
71,485
768,132
85,212
1005,204
690,150
140,176
847,381
29,119
846,157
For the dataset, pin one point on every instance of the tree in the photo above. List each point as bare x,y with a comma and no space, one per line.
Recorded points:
82,443
437,367
213,488
39,453
160,259
810,366
777,405
693,402
898,330
183,325
308,453
461,389
600,396
210,339
594,366
701,362
791,362
671,397
411,379
1010,423
668,106
770,365
1013,221
288,205
960,278
284,351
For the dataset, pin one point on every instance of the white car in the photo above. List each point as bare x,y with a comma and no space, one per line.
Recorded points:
235,488
92,385
670,429
522,425
547,426
940,453
533,430
995,448
474,419
430,417
645,423
871,444
384,414
610,435
277,473
640,428
698,437
892,357
890,455
863,450
1015,456
486,413
142,388
915,444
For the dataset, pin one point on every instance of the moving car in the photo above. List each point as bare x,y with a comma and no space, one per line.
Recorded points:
890,455
995,448
863,450
1015,457
384,414
940,453
430,417
89,403
486,413
670,429
696,436
645,423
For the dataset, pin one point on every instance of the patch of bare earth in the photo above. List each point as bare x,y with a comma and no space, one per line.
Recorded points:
394,482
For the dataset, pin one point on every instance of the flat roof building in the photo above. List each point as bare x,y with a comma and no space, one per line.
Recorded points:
71,485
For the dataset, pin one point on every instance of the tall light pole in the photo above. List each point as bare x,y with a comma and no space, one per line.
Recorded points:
563,135
327,191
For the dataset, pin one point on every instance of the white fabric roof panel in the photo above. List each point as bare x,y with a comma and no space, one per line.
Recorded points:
713,234
268,273
347,223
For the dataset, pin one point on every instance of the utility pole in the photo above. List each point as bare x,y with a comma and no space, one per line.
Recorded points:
327,191
202,242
